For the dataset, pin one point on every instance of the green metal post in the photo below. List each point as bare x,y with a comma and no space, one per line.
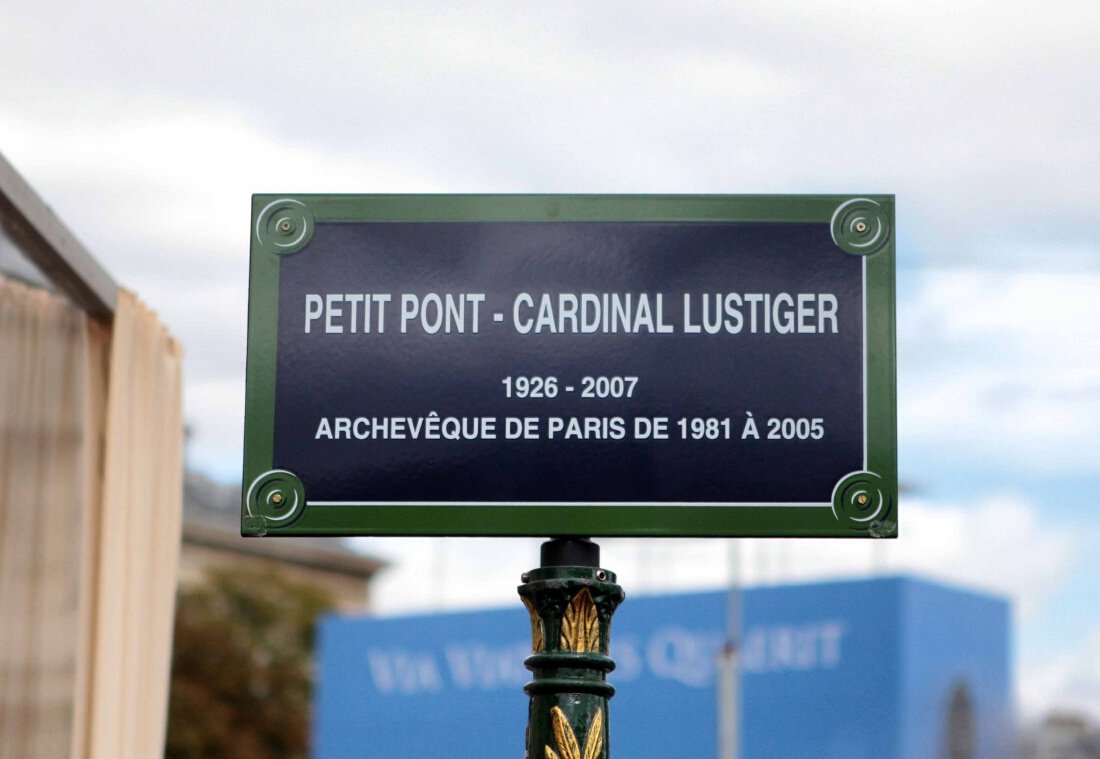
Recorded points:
571,602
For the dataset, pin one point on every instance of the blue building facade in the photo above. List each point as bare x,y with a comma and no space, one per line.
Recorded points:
888,668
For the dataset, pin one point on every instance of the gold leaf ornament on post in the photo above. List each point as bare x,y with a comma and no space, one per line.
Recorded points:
580,625
575,601
537,641
566,739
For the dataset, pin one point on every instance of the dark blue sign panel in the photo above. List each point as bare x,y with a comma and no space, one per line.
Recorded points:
867,669
547,367
482,362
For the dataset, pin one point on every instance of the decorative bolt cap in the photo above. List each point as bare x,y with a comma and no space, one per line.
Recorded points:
277,496
860,226
863,500
284,226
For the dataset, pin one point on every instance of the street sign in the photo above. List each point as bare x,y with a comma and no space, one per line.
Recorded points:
571,365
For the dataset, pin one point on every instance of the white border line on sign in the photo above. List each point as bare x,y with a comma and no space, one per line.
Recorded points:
651,504
864,265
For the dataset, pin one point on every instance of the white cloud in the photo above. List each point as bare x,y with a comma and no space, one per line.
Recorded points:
1066,680
998,544
430,574
975,132
174,178
214,412
1002,368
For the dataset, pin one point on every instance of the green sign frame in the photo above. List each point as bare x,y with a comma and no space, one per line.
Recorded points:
864,504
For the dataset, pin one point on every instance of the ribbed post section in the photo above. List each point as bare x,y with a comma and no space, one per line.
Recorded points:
571,609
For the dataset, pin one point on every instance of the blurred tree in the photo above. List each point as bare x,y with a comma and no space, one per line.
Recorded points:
242,669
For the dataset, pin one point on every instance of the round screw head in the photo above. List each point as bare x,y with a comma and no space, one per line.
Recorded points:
861,226
277,498
285,225
862,499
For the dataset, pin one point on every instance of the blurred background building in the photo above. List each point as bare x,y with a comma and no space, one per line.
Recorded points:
885,668
1062,735
212,539
242,658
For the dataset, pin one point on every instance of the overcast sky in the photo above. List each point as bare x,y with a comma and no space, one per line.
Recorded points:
148,126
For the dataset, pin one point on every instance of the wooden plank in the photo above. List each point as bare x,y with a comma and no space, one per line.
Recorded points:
49,244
